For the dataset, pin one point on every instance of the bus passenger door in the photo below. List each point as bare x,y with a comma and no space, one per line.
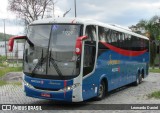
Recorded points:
89,50
89,62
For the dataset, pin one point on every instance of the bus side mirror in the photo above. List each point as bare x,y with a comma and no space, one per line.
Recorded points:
78,49
11,41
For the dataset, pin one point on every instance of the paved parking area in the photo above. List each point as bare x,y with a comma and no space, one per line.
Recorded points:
13,94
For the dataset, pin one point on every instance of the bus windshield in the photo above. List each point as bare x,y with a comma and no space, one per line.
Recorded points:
53,54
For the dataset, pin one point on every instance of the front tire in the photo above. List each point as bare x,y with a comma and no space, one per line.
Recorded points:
101,91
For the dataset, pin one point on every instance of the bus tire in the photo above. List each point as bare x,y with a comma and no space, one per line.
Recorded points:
140,78
101,91
137,82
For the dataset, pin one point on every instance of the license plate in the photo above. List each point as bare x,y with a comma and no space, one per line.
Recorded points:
46,95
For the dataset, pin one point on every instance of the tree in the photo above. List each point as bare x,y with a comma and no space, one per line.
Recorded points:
150,27
29,10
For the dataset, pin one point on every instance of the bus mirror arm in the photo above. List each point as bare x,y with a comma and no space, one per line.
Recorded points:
78,48
11,41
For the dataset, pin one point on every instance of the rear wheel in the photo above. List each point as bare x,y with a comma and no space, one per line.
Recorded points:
101,91
138,79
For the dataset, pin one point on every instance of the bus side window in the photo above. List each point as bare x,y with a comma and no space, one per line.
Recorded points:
101,34
91,32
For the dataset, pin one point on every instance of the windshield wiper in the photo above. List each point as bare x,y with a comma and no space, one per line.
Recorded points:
55,66
30,42
41,61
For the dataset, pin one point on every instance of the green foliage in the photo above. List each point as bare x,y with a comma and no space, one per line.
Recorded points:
4,70
17,83
152,53
154,70
155,94
2,36
2,83
2,58
158,38
154,32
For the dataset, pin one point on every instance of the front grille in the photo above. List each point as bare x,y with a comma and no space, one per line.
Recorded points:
50,77
47,89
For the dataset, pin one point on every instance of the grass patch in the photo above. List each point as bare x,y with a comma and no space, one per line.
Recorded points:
16,83
154,70
155,94
6,70
2,83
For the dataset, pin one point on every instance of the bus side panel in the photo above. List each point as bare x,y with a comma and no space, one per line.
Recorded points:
119,70
90,85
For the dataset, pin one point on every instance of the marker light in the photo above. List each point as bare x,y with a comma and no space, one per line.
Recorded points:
70,87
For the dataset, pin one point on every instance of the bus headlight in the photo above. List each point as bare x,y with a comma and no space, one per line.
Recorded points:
70,87
27,84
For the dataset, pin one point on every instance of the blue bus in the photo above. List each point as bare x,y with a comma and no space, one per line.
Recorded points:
73,60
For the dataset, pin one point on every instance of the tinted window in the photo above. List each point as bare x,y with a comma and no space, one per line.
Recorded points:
39,34
91,32
121,40
104,34
65,35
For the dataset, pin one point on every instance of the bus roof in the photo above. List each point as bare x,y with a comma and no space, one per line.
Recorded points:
87,22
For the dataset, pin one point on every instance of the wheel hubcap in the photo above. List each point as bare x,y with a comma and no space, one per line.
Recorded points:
138,80
101,88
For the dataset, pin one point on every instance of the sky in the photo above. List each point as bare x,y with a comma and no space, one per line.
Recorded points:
122,12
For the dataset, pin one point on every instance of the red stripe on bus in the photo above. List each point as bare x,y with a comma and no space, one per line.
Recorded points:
65,85
123,51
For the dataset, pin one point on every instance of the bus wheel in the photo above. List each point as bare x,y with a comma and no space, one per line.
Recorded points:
138,79
101,91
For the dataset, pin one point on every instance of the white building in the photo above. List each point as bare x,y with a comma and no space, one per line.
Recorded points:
2,48
17,50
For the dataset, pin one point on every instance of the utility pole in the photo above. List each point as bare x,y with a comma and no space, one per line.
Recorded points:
5,39
75,8
53,7
159,40
159,54
157,23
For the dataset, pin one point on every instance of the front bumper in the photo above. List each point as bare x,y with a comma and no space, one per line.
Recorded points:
50,95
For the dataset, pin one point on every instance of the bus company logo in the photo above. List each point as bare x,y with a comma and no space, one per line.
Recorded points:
113,62
116,69
38,81
54,83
